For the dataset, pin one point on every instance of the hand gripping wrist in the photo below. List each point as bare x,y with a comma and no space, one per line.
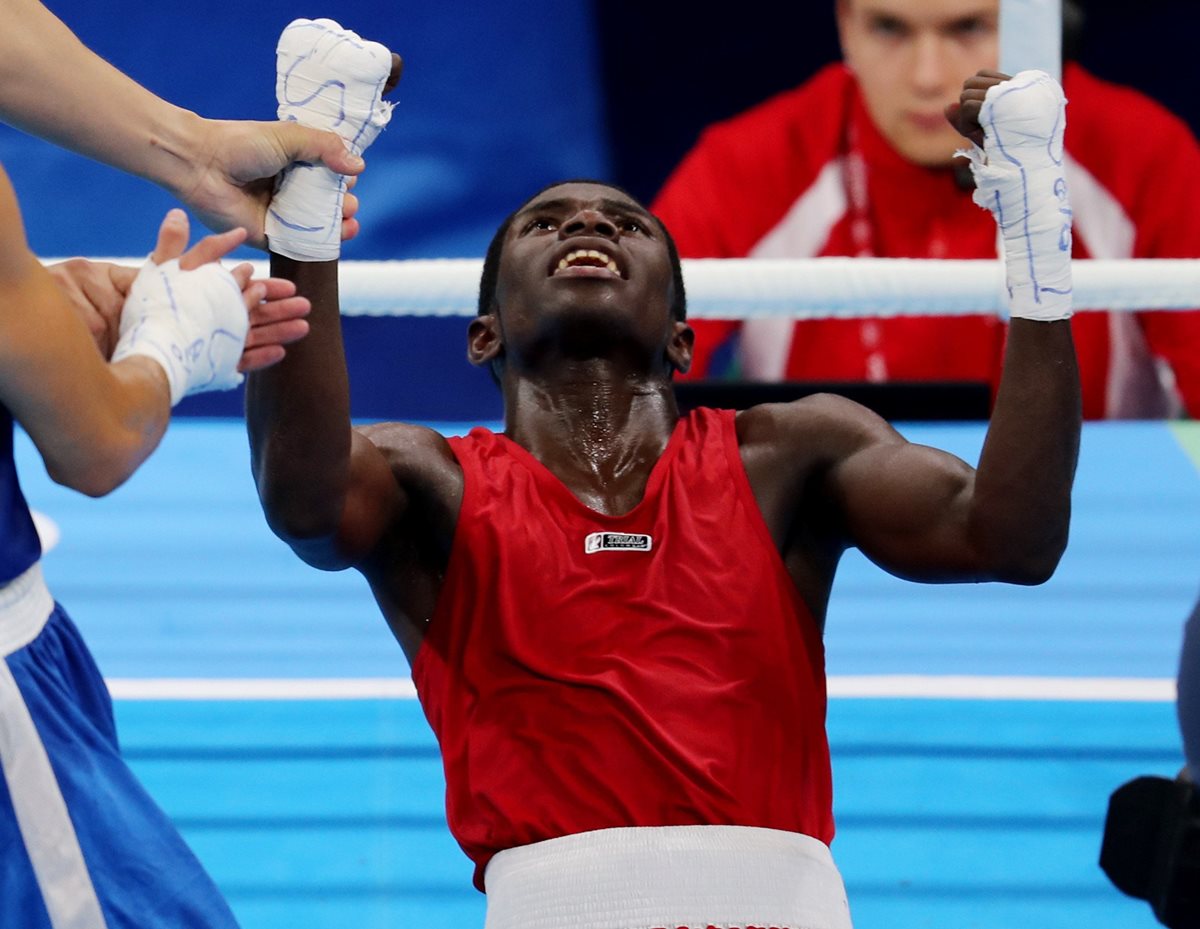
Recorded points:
327,78
193,323
1019,177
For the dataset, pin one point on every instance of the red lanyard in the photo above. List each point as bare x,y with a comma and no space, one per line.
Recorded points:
862,239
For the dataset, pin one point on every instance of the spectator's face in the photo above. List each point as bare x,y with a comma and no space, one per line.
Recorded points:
910,58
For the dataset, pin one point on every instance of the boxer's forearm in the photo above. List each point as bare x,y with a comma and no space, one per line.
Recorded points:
54,87
1027,466
324,490
298,415
1022,499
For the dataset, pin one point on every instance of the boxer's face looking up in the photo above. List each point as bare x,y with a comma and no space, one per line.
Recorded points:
583,270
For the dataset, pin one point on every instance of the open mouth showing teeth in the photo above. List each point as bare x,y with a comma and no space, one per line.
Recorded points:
588,258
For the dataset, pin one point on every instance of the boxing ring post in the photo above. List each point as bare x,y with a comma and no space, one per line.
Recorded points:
1031,36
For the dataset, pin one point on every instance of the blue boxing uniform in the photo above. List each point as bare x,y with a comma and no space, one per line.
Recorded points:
82,845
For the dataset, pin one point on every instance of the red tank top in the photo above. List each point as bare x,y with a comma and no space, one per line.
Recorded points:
584,671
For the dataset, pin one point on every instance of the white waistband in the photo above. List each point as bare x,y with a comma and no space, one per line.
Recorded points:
664,877
25,605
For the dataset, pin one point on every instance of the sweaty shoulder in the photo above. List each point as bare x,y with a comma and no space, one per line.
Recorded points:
794,441
420,458
745,172
829,423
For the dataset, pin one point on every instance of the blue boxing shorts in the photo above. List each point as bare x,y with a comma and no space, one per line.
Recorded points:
82,845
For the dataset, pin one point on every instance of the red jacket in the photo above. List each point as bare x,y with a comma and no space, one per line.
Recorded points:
779,180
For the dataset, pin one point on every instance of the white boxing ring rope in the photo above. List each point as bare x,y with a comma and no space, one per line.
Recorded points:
796,288
822,288
815,288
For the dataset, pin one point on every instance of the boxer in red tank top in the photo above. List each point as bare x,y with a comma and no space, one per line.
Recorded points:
614,613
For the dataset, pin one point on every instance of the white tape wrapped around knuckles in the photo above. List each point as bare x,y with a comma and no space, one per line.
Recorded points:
1020,178
193,323
328,78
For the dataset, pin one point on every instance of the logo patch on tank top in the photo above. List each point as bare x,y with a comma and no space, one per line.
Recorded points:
617,542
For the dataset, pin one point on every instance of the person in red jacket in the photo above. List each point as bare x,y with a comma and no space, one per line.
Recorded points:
613,612
859,161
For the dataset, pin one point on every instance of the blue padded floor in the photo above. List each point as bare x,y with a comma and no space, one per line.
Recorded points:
328,813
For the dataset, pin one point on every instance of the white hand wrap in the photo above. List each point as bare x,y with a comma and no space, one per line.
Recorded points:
328,78
193,323
1019,178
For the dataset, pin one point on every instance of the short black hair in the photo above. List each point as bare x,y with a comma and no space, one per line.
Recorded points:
491,261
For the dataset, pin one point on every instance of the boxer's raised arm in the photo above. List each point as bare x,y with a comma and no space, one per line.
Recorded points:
920,512
326,490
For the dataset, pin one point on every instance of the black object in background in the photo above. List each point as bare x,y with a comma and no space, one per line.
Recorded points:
1151,847
896,401
670,69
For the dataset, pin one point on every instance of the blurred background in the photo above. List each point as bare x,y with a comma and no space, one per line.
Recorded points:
496,101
